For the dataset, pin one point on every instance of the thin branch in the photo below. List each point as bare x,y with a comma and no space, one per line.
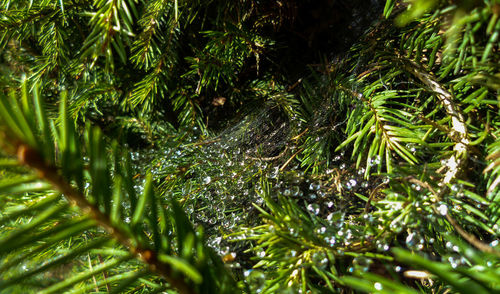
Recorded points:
32,158
468,237
459,127
104,274
372,195
290,159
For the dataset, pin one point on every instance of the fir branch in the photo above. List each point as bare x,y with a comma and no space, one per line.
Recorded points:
467,236
32,159
459,129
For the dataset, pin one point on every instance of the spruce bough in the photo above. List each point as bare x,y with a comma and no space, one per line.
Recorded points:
167,146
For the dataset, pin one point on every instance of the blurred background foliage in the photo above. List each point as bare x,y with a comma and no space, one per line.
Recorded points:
249,146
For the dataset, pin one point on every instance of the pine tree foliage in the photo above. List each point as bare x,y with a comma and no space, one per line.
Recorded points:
110,208
376,170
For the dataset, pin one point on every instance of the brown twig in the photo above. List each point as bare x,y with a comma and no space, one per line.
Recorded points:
372,195
32,158
468,237
290,159
104,274
459,127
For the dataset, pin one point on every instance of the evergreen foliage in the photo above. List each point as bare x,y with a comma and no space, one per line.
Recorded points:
225,147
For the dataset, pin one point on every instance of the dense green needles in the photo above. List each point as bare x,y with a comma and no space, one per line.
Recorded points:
249,146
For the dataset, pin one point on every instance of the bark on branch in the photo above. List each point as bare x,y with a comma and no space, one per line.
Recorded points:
458,126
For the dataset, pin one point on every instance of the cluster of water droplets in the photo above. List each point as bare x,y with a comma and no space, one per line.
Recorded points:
223,179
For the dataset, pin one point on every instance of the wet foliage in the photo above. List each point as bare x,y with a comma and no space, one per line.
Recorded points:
249,146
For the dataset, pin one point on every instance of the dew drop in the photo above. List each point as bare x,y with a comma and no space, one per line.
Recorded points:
330,241
382,246
351,184
313,208
443,209
320,259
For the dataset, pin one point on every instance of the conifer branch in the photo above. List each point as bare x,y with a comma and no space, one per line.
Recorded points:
31,158
459,128
467,236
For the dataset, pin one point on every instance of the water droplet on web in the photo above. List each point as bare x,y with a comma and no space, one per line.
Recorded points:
314,187
443,209
321,230
362,263
351,184
377,286
382,246
330,241
368,217
454,262
320,259
313,208
410,239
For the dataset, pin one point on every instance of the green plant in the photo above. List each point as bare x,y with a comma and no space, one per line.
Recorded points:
163,146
